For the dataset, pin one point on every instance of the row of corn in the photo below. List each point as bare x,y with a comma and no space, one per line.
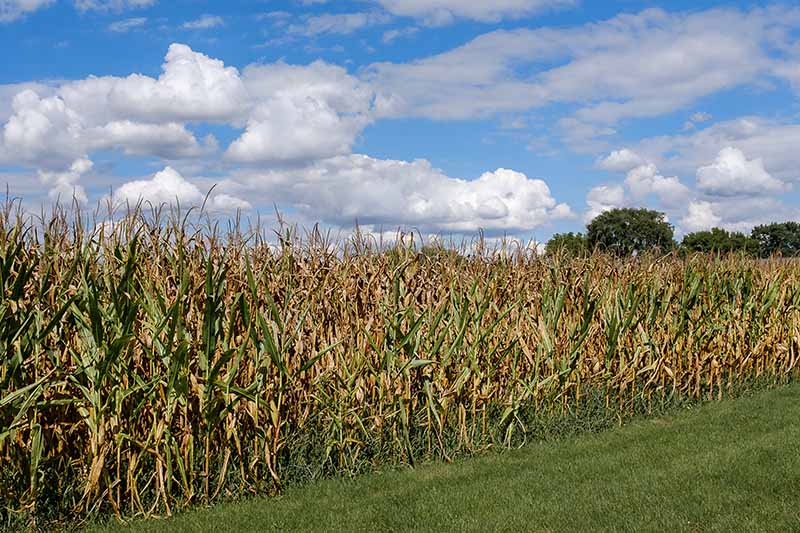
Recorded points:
149,364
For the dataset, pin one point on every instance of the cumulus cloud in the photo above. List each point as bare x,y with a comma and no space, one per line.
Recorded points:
645,180
47,133
733,192
304,112
169,141
621,160
165,187
734,213
226,202
700,216
733,174
344,189
437,12
10,90
42,131
192,87
743,168
64,185
169,187
307,116
143,115
774,142
603,198
300,122
289,114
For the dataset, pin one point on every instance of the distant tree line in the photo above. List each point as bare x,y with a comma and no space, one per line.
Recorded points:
629,231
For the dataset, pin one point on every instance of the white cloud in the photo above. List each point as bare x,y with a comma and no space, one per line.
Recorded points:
169,141
732,192
585,137
126,25
47,133
342,23
437,12
603,198
378,192
64,185
790,71
774,142
309,117
645,180
286,129
701,116
390,36
742,213
289,113
274,15
621,161
734,213
203,23
479,81
192,87
9,91
700,217
733,174
14,9
171,188
226,202
11,10
112,5
631,66
697,118
165,187
42,131
642,182
304,112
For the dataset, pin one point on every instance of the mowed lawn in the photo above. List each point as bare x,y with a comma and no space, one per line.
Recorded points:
731,466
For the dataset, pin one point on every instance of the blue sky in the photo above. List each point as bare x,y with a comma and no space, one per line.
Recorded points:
517,117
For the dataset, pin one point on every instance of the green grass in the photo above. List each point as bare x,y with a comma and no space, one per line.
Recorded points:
732,466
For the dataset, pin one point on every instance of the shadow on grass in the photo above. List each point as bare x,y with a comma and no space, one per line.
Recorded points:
729,466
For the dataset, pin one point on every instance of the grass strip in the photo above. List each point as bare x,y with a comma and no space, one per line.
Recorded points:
729,466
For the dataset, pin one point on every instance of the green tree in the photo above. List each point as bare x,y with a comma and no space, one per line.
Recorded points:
717,240
630,231
778,238
573,244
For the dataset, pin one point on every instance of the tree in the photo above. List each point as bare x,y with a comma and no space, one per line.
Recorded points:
778,238
630,231
717,240
573,244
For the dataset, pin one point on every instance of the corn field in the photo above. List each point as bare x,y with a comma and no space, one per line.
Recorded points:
151,364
